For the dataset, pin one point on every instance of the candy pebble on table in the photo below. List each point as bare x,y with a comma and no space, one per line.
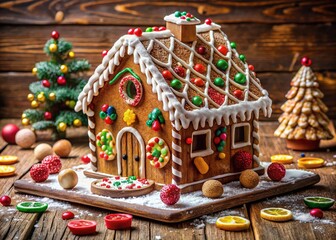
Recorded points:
5,200
62,148
68,215
276,171
316,212
8,133
282,158
212,189
68,178
170,194
39,172
42,150
53,163
249,179
25,138
118,221
82,227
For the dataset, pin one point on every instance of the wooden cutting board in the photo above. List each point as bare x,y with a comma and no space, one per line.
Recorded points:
164,214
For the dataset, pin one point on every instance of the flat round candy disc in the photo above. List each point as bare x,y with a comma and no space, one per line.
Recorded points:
282,158
82,227
8,159
6,170
118,221
310,162
32,207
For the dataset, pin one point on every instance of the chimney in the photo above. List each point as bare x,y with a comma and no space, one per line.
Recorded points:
182,25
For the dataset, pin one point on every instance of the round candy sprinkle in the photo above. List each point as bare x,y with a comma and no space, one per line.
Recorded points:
222,64
198,82
200,68
201,50
233,45
222,49
155,29
167,75
306,61
104,53
208,21
162,28
188,140
219,82
238,94
5,200
240,78
176,84
130,31
178,14
242,57
55,35
149,29
302,155
251,67
45,83
68,215
197,101
138,32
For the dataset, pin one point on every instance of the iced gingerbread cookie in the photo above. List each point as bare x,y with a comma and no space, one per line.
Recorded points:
157,152
106,145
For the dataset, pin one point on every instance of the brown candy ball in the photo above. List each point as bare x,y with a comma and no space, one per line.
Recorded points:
212,189
62,148
25,138
42,150
68,178
249,178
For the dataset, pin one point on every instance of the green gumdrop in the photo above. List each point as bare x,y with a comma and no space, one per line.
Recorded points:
156,153
109,153
102,115
116,184
220,148
218,132
149,29
222,143
103,138
219,82
178,14
188,19
161,142
113,116
223,130
155,113
161,119
149,123
103,147
184,13
150,116
132,177
109,148
99,144
176,84
242,57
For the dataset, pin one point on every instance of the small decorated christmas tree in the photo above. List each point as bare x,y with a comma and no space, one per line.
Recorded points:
304,121
54,95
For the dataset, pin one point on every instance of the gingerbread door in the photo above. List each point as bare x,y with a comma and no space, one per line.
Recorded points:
130,153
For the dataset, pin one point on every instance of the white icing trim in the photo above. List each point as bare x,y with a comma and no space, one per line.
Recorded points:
176,173
177,160
256,136
208,151
176,147
132,130
176,135
177,20
205,27
248,135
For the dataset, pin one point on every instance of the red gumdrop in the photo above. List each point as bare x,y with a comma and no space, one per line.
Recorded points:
45,83
155,28
156,126
251,67
180,71
223,136
306,61
108,120
199,82
216,140
162,28
85,159
188,140
68,215
55,35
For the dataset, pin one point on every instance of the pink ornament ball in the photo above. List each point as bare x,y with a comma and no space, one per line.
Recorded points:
306,61
8,133
223,136
316,212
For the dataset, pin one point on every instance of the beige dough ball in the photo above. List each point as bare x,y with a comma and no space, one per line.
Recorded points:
25,138
68,178
249,178
42,150
62,148
212,189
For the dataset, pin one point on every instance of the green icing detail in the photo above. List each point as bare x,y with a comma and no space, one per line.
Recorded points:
117,76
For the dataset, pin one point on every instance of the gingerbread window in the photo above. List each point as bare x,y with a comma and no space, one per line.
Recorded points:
241,135
201,143
130,90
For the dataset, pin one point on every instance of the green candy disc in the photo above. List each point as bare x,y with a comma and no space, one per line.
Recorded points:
102,115
149,29
32,207
240,78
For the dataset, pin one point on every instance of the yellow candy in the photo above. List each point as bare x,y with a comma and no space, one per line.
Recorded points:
77,123
34,104
64,68
310,162
53,47
30,97
34,71
71,54
221,155
201,165
282,158
41,97
62,126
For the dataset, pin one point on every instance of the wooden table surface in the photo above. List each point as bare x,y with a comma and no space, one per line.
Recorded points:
49,225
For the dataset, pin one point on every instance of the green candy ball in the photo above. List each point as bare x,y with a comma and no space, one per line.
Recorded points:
233,45
220,149
161,160
102,115
104,147
197,101
240,78
242,57
164,152
218,132
219,82
176,84
222,64
149,29
223,130
184,13
178,14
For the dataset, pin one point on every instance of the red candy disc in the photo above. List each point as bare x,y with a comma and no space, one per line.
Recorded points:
82,227
130,100
118,221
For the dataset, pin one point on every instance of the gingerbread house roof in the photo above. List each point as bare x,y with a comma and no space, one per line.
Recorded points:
157,51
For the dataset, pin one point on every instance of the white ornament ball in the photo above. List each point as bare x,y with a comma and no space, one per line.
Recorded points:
68,178
25,138
42,150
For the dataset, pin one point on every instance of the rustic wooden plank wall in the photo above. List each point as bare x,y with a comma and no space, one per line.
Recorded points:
273,35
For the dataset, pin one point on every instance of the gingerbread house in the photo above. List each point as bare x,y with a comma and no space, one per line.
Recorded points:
173,104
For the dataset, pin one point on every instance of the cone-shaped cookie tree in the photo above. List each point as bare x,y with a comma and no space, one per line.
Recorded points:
54,95
304,121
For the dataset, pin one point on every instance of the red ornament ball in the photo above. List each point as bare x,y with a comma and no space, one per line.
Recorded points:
138,32
167,75
86,159
5,200
306,61
242,160
200,68
170,194
222,49
201,50
316,212
276,171
8,133
251,67
238,94
180,71
104,53
68,215
208,21
55,35
130,31
61,80
53,162
47,116
46,83
39,172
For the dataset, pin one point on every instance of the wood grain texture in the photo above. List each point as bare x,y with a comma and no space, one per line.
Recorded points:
151,12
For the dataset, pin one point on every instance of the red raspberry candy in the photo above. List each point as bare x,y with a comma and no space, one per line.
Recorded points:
39,172
242,160
53,163
170,194
276,171
180,71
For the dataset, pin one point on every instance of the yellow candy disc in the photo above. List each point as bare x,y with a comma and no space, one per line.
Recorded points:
6,171
282,158
310,162
7,159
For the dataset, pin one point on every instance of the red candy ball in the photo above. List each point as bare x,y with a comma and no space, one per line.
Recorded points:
276,171
5,200
47,116
242,160
316,212
180,71
222,49
208,21
155,29
188,140
55,35
170,194
46,83
306,61
167,75
8,133
39,172
138,32
108,120
131,31
201,50
53,163
61,80
86,159
104,53
238,94
68,215
200,68
217,140
162,28
198,82
251,67
104,107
